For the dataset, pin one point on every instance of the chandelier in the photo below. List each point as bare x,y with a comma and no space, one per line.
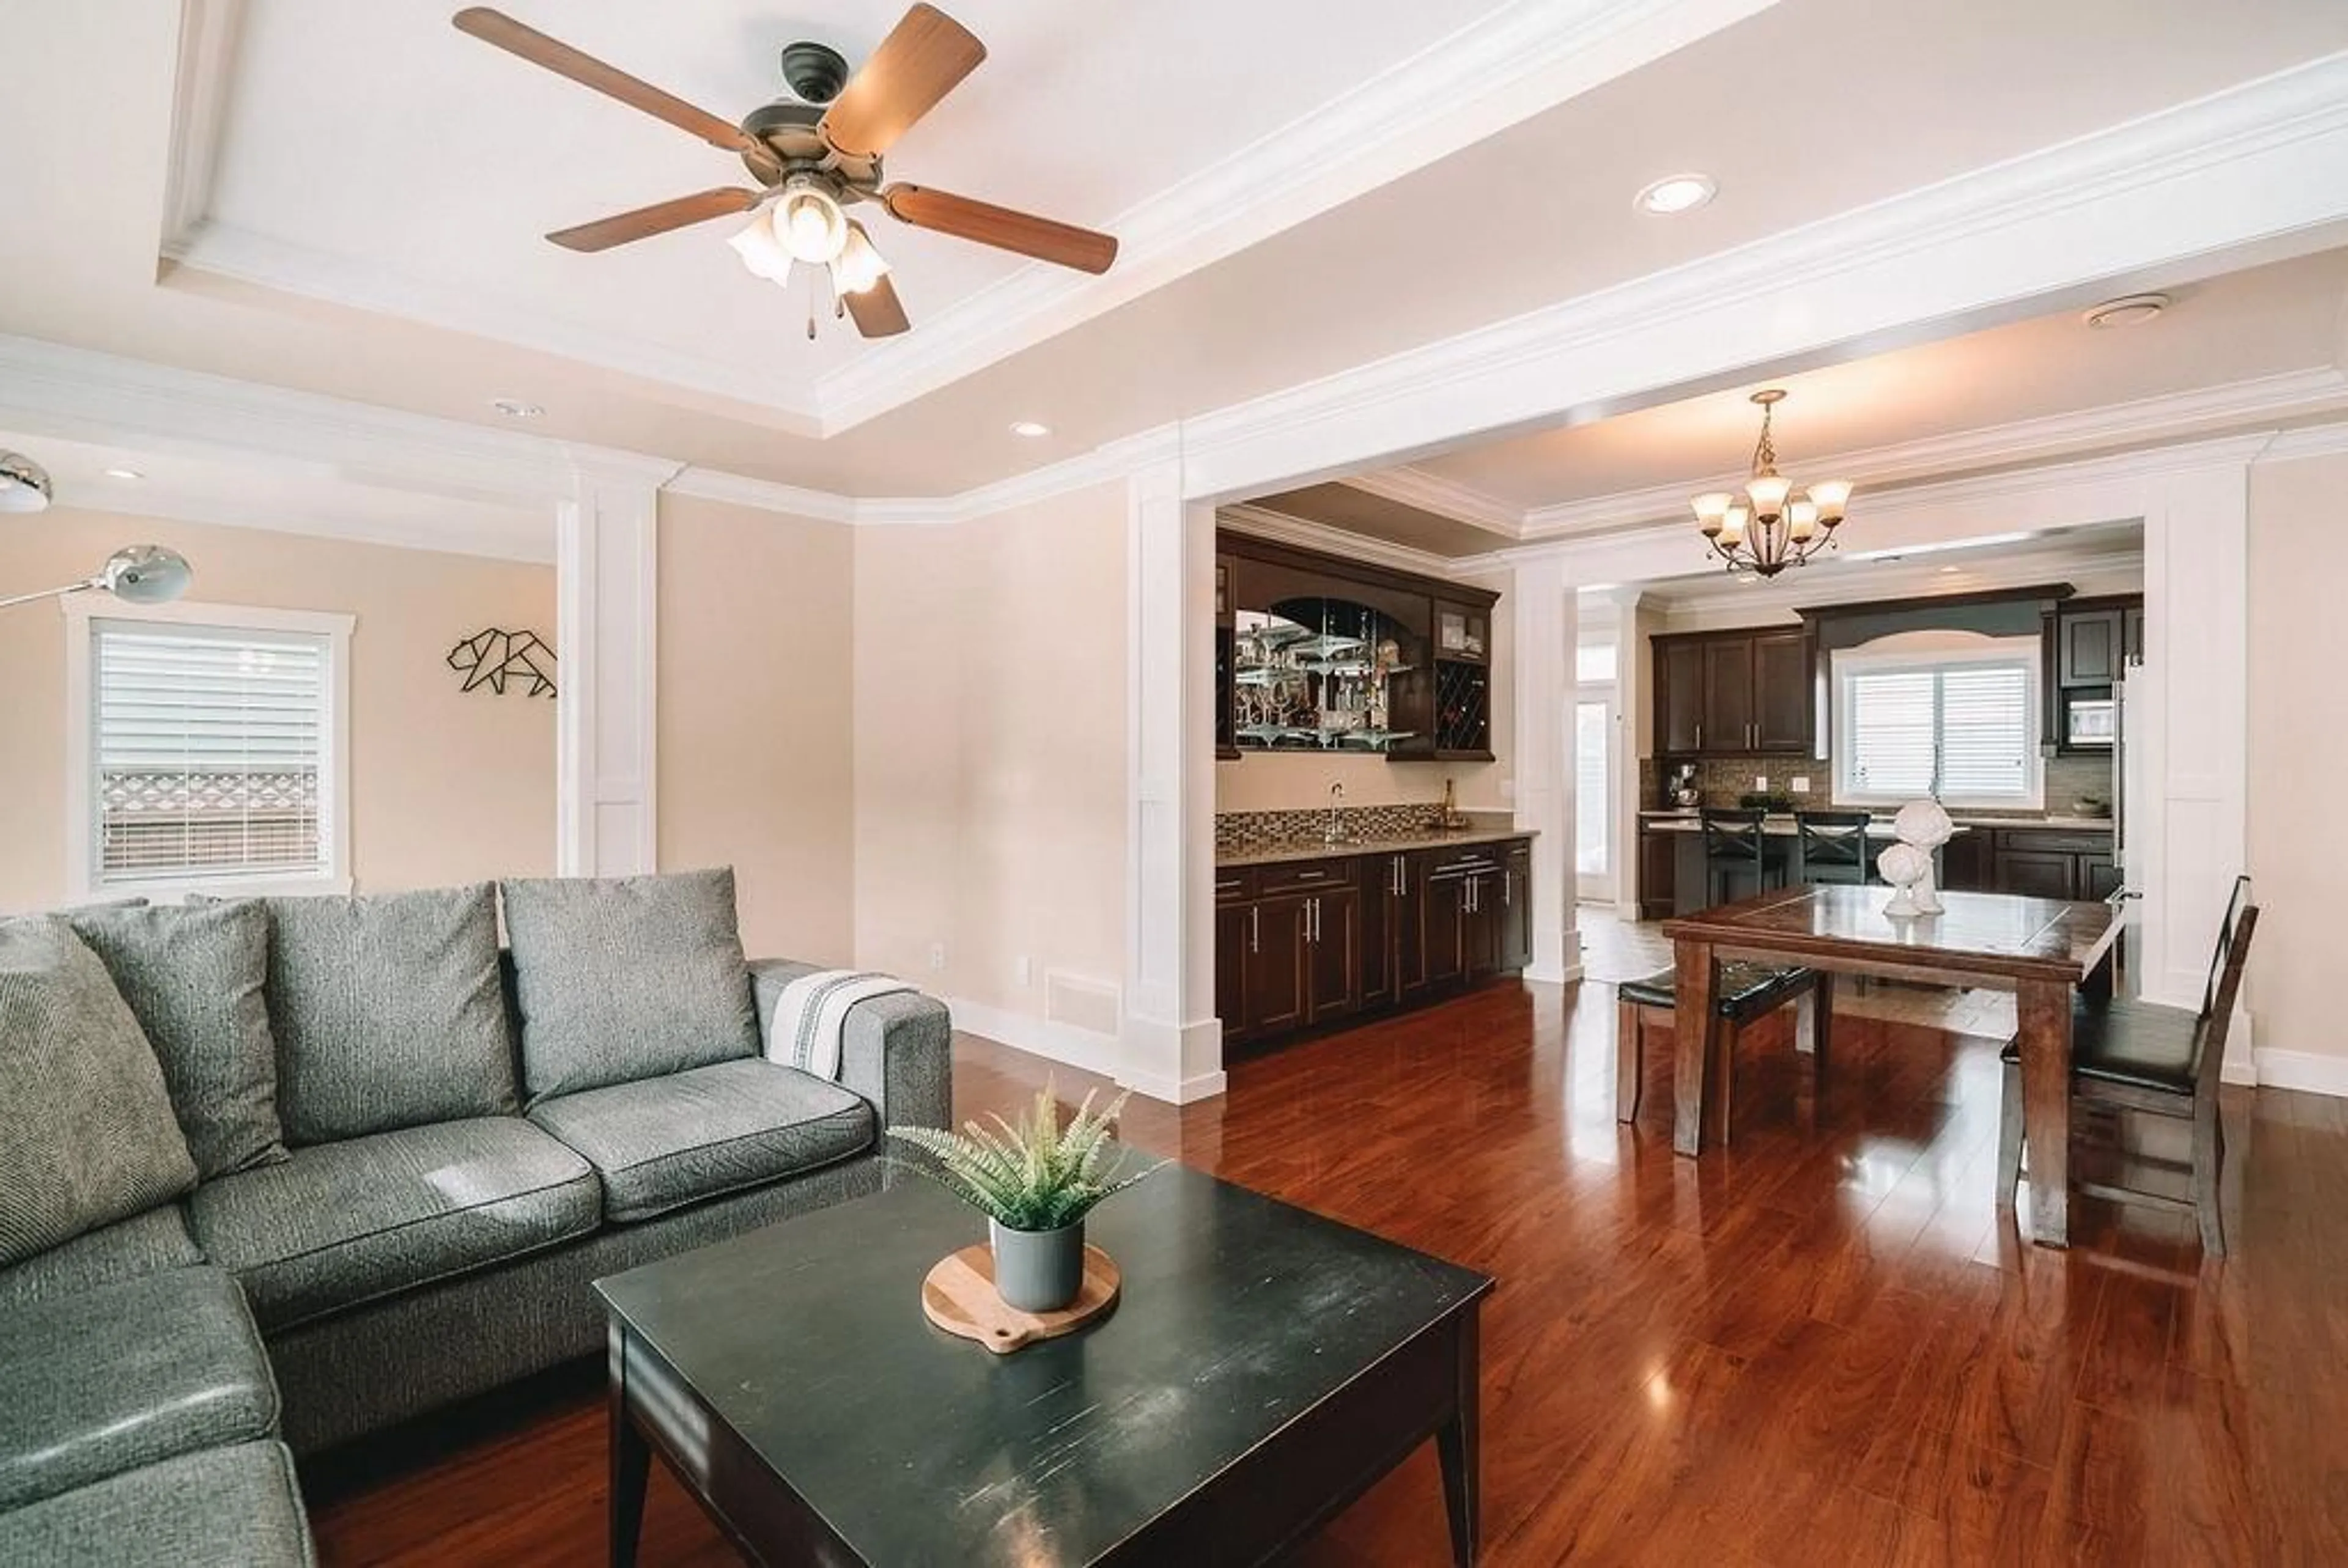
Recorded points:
1768,530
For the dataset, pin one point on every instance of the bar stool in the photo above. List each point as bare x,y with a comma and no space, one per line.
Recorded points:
1747,991
1734,847
1830,847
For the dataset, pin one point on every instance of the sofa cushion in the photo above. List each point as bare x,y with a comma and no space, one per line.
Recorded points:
221,1508
675,1139
95,1384
90,1135
194,974
143,1243
387,1012
342,1223
627,978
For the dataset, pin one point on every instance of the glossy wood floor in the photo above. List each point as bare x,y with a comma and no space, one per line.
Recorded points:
1817,1345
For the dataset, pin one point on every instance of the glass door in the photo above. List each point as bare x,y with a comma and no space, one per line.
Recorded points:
1593,795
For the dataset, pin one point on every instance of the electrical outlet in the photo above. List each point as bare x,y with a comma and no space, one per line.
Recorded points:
1760,783
1025,967
1801,784
937,955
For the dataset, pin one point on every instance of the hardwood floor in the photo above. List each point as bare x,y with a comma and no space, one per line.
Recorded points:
1818,1344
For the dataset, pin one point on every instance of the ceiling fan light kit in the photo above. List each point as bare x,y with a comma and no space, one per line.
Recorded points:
23,484
1770,529
815,157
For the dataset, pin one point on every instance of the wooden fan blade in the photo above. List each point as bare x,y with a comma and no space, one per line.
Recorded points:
1002,228
658,218
916,65
497,27
876,311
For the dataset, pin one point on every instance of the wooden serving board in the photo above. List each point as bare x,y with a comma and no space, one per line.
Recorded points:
959,1296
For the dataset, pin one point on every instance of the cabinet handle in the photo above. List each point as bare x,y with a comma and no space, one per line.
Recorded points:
1471,895
1508,888
1699,734
1312,919
1255,928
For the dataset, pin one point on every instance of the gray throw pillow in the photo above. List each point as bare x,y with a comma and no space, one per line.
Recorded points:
194,974
90,1136
627,978
388,1012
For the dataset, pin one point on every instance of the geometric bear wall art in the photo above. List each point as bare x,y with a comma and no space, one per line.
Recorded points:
492,658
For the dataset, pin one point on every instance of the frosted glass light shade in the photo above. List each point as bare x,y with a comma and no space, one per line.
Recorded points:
761,251
1767,493
858,265
1830,496
1801,521
1732,526
1711,509
811,226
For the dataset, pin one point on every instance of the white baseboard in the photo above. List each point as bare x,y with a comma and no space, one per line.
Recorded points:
1174,1090
1084,1047
2302,1069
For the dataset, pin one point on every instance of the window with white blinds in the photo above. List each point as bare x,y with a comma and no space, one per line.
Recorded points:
1963,729
209,753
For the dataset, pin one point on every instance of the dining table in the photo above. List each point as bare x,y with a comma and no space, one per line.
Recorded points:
2047,951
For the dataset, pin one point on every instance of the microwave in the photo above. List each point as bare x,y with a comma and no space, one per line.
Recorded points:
2091,721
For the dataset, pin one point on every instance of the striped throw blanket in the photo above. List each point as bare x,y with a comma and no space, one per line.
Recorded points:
812,1012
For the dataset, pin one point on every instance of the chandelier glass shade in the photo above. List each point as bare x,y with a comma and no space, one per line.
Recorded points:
1770,527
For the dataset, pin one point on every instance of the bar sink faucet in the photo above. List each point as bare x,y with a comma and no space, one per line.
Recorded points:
1335,832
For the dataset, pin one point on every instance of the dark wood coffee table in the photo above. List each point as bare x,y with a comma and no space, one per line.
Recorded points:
1264,1366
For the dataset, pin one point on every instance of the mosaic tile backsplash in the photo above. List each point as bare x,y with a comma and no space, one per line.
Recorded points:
1724,779
1239,830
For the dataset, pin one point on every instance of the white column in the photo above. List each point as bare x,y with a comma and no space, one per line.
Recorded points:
607,622
2185,821
1172,1048
1543,611
1633,699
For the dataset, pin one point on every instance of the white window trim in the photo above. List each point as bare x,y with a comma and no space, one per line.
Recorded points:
2026,651
82,883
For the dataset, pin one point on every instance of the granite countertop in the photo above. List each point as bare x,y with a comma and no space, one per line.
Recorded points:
1685,820
1391,844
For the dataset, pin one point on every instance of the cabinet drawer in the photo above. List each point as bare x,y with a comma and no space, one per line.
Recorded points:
1462,862
2054,840
1305,876
1234,882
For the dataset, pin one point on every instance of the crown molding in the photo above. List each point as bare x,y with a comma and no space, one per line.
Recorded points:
1522,58
1444,497
2106,569
1261,523
520,536
248,257
2309,441
2261,163
1505,67
2162,418
763,495
1108,464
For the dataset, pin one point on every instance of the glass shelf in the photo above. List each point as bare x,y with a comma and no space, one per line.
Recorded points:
1319,673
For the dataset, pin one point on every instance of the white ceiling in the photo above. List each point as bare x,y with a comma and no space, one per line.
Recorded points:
387,178
2263,322
305,498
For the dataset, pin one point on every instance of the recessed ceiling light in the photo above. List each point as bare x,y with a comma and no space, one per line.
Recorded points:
1946,569
1029,429
1677,193
123,473
515,408
2128,310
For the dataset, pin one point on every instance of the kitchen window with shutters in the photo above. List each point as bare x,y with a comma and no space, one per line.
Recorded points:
1960,723
208,749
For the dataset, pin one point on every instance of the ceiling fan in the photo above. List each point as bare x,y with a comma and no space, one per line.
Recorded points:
814,157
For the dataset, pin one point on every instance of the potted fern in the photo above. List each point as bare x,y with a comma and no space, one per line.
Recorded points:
1034,1181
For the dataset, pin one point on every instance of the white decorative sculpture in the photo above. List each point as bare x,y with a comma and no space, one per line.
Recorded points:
1925,824
1903,866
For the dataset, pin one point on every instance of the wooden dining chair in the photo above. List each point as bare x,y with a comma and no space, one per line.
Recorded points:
1735,846
1830,847
2159,1060
1746,993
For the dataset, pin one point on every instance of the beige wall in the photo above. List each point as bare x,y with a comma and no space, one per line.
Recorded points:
2298,750
757,709
991,750
445,786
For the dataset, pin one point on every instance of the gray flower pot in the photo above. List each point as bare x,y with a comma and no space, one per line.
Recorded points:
1037,1271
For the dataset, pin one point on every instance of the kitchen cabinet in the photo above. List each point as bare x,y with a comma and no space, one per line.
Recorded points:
2089,647
1734,693
2089,643
1679,696
1658,874
1320,654
2067,863
1302,944
2035,873
1967,863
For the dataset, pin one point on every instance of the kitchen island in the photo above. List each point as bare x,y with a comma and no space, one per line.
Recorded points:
1309,933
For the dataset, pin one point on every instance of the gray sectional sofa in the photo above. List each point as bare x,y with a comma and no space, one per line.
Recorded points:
275,1174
